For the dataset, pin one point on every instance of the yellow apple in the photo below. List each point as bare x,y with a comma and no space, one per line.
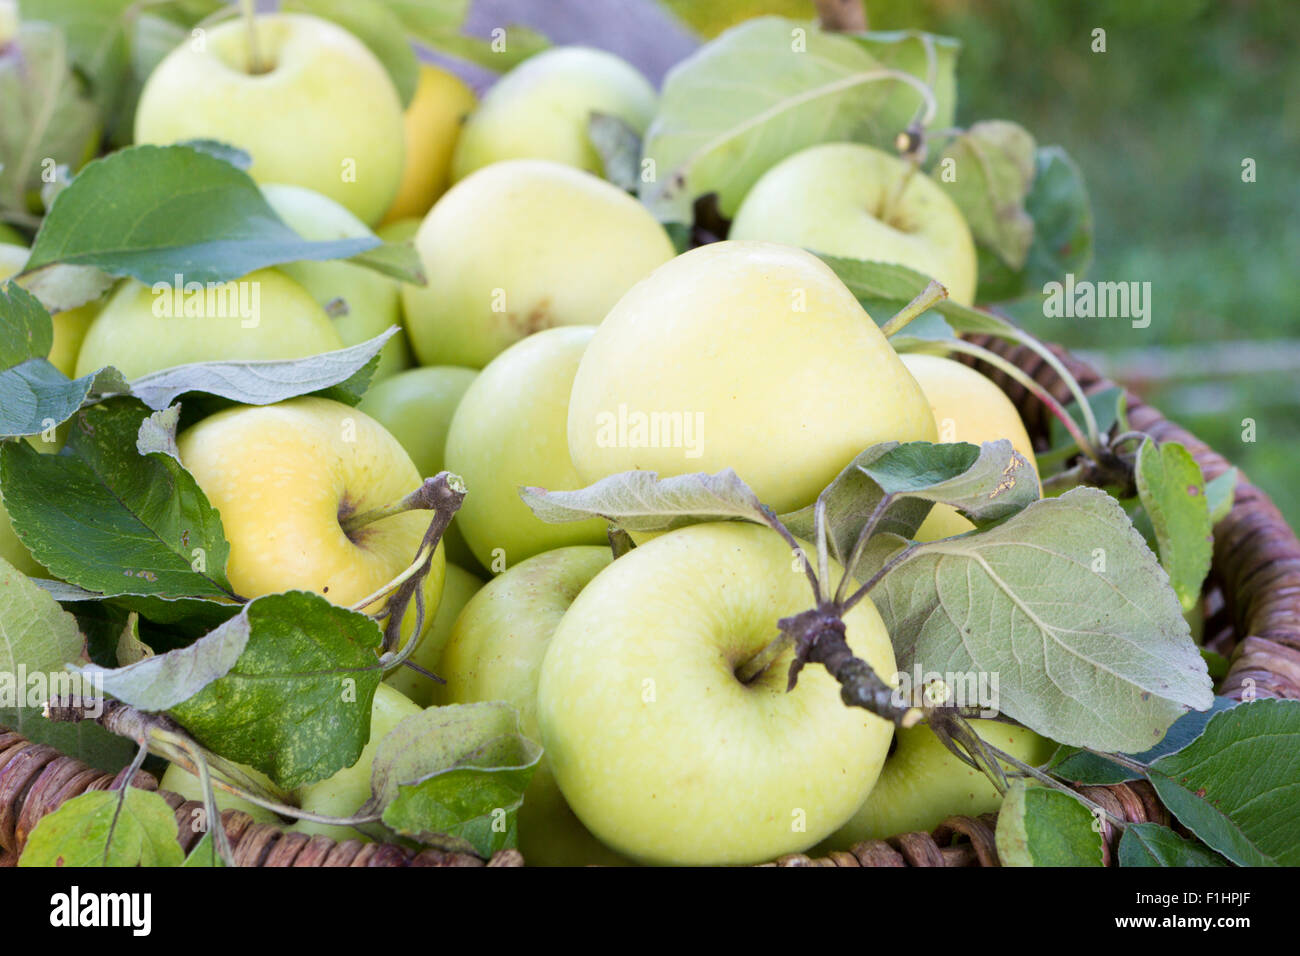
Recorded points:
416,406
286,476
744,355
519,247
343,794
371,300
433,121
541,108
457,589
923,783
659,748
320,111
843,199
264,315
508,432
495,653
967,407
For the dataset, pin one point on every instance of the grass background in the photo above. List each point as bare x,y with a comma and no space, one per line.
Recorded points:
1160,124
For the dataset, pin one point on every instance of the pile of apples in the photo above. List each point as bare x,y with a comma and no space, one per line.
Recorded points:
561,338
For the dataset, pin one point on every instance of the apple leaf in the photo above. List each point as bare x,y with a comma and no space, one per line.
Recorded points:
63,287
1150,844
642,501
1237,785
130,649
107,519
35,397
988,171
159,682
26,331
158,212
223,151
1107,408
397,260
438,26
296,705
375,25
158,433
185,615
1172,490
1082,767
1062,244
342,375
85,740
44,118
758,93
204,853
36,634
1042,827
619,147
1063,602
456,771
1219,495
986,482
106,828
929,57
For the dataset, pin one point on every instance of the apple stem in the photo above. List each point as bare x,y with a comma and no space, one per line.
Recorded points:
620,542
894,198
749,671
254,52
931,294
424,498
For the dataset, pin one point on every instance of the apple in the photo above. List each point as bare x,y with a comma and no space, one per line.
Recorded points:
433,121
842,199
317,109
342,794
399,230
286,478
508,432
522,246
541,108
179,780
923,783
748,355
495,653
70,326
264,315
14,551
967,407
660,750
416,406
457,588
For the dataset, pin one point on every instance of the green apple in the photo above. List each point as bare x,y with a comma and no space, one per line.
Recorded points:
14,551
508,432
495,653
343,794
744,355
317,109
923,783
541,108
371,300
70,326
967,407
286,479
844,199
416,406
522,246
179,780
457,588
433,121
264,315
661,751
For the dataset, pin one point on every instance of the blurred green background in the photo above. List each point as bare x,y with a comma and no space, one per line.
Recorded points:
1160,124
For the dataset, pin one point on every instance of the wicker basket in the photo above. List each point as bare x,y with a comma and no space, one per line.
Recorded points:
1252,602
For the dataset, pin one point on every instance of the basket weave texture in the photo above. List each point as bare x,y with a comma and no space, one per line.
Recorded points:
1252,602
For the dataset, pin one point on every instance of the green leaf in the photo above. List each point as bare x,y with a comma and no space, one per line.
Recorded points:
296,705
397,260
754,96
36,635
992,166
90,831
619,147
1068,606
26,331
204,853
1079,766
61,287
130,649
1237,785
1042,827
1059,206
223,151
927,56
1150,844
642,501
342,375
35,396
375,25
456,771
107,519
986,482
1219,495
1106,405
1172,491
43,115
156,212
